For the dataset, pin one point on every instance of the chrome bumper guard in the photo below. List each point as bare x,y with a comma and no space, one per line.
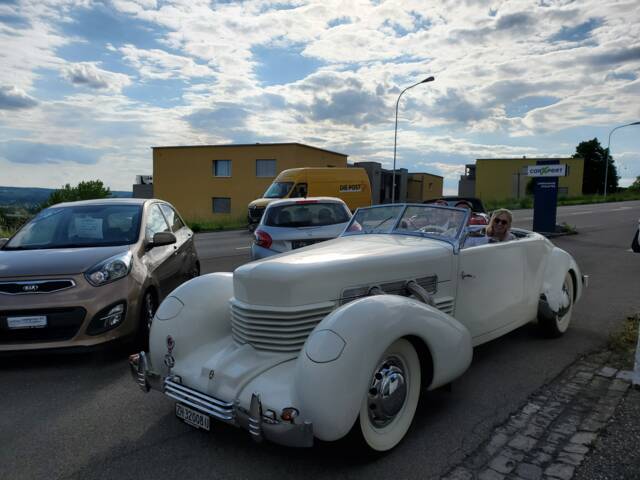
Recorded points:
260,425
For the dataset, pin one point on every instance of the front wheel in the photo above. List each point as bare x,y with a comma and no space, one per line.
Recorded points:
555,324
391,399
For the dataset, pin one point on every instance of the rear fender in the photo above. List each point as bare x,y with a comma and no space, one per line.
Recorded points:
334,369
194,314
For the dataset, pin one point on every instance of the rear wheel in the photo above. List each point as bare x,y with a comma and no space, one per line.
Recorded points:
389,405
555,324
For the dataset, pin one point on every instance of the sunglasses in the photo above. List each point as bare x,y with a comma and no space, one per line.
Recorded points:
499,221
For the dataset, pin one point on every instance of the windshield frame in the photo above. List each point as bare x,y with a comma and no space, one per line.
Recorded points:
56,210
394,230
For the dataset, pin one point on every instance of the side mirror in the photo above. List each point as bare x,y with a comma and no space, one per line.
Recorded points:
3,241
160,239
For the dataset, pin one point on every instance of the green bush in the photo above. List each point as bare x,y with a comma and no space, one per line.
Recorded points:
201,225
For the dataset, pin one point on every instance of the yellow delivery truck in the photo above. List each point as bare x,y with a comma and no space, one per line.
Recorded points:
350,184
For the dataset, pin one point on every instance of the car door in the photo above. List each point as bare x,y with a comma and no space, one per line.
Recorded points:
490,296
162,262
185,250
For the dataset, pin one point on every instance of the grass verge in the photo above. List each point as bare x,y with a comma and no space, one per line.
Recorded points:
623,342
217,225
527,202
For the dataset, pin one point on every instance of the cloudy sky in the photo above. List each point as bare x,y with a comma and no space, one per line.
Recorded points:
87,87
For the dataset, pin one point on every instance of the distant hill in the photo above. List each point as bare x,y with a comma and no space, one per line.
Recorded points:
28,196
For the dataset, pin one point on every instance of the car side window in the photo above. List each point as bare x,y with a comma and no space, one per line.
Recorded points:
155,222
172,217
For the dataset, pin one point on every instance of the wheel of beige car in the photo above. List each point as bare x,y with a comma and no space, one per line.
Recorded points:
555,325
147,311
390,403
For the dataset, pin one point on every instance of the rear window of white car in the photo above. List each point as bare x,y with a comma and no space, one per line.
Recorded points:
306,214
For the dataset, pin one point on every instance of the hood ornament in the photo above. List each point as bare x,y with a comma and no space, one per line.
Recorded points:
169,361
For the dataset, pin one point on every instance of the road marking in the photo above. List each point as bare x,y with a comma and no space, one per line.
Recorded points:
243,248
621,208
576,213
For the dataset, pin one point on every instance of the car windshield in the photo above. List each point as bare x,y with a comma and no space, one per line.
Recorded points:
278,190
306,213
79,226
432,221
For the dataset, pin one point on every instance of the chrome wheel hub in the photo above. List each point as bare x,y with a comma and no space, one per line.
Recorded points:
387,392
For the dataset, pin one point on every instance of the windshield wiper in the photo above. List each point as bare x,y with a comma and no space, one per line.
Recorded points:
377,225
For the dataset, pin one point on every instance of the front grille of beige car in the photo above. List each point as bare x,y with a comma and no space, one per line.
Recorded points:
276,329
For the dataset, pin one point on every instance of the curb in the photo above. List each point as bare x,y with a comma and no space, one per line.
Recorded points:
549,437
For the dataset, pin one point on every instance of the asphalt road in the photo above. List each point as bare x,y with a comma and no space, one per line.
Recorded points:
81,416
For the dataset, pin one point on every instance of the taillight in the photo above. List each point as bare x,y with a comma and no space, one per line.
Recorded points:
477,220
263,239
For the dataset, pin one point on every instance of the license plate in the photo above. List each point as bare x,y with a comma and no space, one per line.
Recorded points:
192,417
39,321
300,243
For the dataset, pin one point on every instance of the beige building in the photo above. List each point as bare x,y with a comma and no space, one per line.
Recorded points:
504,178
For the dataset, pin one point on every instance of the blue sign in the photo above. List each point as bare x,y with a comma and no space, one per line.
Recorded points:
545,200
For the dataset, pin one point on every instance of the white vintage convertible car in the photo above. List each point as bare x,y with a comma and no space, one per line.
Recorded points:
341,337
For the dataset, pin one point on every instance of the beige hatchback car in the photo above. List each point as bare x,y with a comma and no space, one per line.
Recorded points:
85,273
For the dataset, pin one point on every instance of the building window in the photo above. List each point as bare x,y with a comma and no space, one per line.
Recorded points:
221,204
222,168
265,168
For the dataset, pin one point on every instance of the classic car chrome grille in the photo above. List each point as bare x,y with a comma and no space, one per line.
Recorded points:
200,401
35,286
445,304
275,329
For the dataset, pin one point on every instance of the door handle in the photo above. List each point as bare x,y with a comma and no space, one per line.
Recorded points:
466,275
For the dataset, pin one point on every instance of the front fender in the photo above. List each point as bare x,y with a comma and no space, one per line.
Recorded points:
196,313
333,371
559,263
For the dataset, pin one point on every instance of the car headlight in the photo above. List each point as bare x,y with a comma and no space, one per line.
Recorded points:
109,270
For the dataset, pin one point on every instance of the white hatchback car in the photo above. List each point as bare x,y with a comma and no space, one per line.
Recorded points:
297,222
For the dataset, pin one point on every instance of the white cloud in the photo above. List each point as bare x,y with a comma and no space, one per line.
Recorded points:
87,74
158,64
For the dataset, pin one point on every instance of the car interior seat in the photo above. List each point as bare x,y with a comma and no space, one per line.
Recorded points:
284,218
325,217
303,216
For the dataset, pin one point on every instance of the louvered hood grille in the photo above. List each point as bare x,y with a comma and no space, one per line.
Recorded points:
276,329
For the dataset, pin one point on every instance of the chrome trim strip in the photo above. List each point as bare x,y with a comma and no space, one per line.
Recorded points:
38,282
198,395
204,403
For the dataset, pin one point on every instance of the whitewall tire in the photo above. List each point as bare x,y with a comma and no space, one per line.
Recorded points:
389,405
556,324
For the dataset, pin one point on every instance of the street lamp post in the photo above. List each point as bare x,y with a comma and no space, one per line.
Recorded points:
606,160
395,137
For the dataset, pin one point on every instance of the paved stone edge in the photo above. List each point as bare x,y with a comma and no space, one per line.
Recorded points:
553,432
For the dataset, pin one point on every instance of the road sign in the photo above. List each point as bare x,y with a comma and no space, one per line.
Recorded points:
553,170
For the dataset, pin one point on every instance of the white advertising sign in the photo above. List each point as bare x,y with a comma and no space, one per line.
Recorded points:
559,170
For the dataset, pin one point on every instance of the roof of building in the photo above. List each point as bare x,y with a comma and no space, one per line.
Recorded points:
252,145
532,158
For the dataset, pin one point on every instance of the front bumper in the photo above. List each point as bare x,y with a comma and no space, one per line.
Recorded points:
260,424
69,314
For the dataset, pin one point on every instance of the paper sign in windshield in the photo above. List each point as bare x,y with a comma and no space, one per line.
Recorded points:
88,227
